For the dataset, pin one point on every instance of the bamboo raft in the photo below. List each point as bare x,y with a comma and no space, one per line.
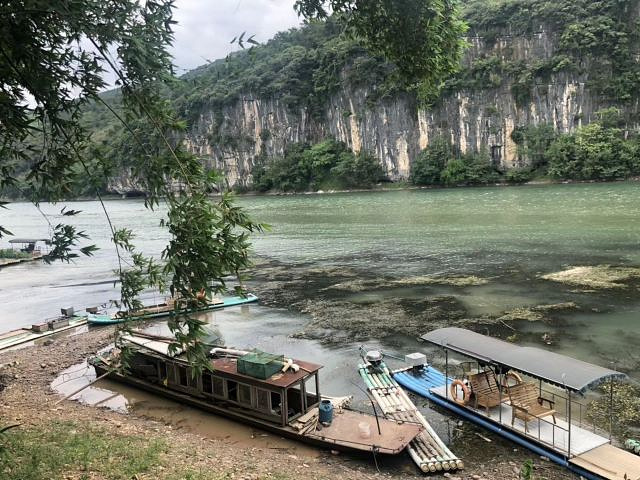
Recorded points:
427,450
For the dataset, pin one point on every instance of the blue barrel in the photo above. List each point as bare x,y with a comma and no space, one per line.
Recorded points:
326,411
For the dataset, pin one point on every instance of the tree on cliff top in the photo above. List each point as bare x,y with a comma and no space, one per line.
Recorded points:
53,57
422,38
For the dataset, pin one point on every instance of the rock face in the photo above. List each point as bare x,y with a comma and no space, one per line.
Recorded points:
395,130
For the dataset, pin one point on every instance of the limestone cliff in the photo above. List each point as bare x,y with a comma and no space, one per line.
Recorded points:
395,129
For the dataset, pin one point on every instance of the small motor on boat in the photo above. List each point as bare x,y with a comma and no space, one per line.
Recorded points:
417,361
374,357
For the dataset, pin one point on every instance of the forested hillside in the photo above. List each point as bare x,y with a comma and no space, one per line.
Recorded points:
535,74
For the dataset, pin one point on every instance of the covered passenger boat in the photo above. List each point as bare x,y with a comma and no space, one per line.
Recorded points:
531,396
264,390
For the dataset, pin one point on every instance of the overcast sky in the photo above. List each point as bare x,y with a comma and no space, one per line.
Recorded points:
206,27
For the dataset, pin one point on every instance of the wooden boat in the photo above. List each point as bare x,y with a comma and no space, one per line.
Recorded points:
539,399
166,309
266,391
427,450
36,332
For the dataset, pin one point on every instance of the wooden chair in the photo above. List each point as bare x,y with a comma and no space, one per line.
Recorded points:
527,404
485,391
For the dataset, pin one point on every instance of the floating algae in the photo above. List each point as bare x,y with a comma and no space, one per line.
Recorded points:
626,408
537,313
456,281
597,276
335,321
361,285
521,313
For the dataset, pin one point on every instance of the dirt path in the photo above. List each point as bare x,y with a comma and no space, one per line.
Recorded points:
26,399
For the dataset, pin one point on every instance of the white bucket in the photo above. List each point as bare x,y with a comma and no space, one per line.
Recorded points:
365,430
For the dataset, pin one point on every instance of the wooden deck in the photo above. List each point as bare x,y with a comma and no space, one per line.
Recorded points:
344,431
542,431
610,462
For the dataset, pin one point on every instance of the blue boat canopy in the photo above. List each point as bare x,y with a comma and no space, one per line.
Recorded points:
560,370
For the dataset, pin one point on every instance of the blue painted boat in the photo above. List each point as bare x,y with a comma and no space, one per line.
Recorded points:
105,319
594,458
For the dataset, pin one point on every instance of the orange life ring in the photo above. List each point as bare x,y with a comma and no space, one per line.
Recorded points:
466,394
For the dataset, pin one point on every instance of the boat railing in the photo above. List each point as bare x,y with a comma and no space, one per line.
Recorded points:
562,444
578,415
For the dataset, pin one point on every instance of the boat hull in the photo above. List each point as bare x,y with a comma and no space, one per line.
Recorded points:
18,337
94,319
286,431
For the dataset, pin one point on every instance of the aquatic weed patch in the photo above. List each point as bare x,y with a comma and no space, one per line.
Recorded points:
77,451
626,408
537,313
596,276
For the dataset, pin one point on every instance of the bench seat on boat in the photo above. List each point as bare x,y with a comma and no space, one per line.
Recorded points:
485,391
527,404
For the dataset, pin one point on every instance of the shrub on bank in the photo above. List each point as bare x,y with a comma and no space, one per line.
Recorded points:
438,164
326,165
428,166
594,152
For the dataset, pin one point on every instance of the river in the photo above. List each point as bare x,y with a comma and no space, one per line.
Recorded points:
472,254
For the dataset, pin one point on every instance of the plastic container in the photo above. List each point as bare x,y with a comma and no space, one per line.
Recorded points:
365,430
326,411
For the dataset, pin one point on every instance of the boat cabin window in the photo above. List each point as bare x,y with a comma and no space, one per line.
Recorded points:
262,400
232,390
183,376
276,403
162,370
294,401
268,401
244,394
207,384
212,385
310,390
218,386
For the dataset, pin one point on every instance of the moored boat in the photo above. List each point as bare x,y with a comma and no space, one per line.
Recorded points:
44,329
267,391
166,309
527,395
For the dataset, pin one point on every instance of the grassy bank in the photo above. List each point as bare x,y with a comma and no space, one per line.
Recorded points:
70,449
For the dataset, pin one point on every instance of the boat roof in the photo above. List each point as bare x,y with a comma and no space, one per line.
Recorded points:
229,365
551,367
280,380
29,240
155,345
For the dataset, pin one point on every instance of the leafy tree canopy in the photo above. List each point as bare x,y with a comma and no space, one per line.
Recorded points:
53,57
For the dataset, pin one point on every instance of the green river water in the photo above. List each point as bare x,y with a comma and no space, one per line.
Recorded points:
507,237
379,268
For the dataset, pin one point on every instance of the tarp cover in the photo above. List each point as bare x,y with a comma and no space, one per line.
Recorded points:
551,367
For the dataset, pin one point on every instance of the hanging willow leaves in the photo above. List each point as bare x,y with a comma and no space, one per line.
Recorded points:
53,58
